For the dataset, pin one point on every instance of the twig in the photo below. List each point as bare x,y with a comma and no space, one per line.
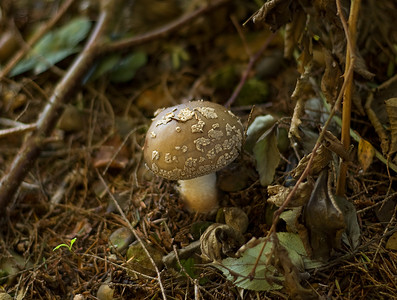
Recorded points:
350,33
245,75
135,233
17,130
36,37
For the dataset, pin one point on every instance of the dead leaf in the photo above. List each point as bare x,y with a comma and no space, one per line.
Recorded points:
293,32
291,273
302,92
113,153
331,81
365,153
219,241
377,124
267,156
279,193
275,13
391,108
320,161
392,242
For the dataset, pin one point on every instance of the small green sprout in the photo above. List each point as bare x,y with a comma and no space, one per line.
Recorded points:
65,245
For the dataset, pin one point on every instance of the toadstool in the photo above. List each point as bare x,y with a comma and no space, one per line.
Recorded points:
189,142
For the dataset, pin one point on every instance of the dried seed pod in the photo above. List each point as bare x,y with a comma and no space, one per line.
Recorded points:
220,241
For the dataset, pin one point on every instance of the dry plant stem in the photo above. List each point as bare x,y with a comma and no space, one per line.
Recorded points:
135,234
351,34
36,37
251,63
64,91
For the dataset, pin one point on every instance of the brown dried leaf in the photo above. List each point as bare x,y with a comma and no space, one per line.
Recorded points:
275,13
279,193
303,91
293,32
331,81
365,153
391,108
219,241
392,242
112,154
320,161
292,274
378,126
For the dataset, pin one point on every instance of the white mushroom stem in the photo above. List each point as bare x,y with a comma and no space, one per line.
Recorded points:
200,193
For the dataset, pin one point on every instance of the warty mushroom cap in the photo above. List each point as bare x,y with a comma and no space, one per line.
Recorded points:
192,139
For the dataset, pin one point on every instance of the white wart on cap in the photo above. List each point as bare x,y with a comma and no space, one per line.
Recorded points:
191,140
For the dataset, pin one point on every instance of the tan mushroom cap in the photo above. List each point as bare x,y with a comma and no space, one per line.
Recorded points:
192,139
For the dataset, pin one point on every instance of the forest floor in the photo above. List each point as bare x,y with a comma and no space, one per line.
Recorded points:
79,214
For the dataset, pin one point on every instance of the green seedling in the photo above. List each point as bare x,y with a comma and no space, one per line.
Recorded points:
66,245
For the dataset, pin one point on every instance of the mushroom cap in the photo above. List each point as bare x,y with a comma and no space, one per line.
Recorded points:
192,139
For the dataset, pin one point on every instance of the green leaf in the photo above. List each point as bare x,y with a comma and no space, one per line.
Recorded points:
126,68
105,65
256,129
266,277
54,47
237,270
72,242
188,265
267,156
59,246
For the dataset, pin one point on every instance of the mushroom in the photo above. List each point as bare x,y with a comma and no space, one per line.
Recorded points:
189,142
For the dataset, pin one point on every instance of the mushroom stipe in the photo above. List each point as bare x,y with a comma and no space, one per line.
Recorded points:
189,142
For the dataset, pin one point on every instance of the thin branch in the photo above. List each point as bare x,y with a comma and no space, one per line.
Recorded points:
17,130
